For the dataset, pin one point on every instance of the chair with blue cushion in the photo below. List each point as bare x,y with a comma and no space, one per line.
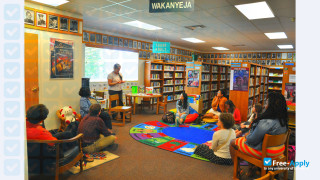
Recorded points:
49,160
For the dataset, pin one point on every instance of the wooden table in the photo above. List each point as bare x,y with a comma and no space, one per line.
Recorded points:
143,95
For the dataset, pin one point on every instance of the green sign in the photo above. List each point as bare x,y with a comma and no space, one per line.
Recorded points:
134,89
160,6
161,47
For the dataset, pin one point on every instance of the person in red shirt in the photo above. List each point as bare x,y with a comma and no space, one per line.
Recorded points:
35,116
231,108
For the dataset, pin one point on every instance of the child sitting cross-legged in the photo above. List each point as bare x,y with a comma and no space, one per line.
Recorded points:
245,126
219,152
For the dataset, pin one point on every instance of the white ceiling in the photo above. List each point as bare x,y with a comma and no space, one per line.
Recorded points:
225,25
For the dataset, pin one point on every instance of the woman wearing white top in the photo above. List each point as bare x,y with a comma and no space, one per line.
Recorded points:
115,86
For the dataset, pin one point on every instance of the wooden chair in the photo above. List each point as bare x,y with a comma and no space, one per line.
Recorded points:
268,141
270,175
122,109
63,124
54,161
163,105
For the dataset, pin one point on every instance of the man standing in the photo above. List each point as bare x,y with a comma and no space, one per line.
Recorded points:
96,136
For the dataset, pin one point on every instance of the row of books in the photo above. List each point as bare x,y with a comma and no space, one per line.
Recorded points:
178,75
178,88
156,66
169,68
222,86
205,68
204,87
222,69
275,81
155,76
257,80
179,68
252,70
214,77
157,90
167,89
214,86
276,74
166,82
223,77
179,81
205,77
214,69
205,96
168,75
155,84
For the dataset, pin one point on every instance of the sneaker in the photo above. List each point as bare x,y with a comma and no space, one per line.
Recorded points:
86,159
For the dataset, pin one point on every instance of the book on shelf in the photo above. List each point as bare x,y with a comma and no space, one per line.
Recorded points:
156,67
179,68
168,68
214,69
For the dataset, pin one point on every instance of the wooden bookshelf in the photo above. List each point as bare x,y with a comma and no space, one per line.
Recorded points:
214,78
257,90
167,79
275,79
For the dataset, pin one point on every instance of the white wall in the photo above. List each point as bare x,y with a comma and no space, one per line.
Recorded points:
56,93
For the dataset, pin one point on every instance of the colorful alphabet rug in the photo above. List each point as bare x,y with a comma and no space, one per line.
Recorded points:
99,158
182,139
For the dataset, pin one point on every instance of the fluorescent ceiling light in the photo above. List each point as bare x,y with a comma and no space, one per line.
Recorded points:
52,2
276,35
220,48
285,46
193,40
257,10
142,25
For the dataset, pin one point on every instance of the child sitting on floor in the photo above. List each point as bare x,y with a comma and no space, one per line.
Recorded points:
219,152
245,126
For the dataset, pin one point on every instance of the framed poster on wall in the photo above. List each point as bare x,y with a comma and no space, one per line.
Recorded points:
61,58
239,79
193,78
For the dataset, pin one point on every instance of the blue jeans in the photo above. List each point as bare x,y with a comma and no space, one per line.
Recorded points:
183,117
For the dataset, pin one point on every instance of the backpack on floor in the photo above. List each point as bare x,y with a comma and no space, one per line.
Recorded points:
168,117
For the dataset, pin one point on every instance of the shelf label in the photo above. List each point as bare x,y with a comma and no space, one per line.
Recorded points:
160,6
235,64
160,47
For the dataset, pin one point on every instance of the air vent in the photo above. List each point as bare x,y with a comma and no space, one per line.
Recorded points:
195,27
239,45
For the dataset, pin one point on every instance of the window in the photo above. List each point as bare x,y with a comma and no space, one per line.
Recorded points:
99,63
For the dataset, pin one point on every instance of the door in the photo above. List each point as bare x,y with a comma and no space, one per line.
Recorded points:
31,69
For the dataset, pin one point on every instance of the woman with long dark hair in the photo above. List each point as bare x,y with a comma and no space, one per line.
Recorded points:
232,109
182,108
273,121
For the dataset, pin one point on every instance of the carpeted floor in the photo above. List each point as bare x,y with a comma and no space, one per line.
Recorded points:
139,161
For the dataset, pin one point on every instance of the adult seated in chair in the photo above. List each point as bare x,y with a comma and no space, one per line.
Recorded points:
218,104
35,116
85,104
273,121
96,136
35,131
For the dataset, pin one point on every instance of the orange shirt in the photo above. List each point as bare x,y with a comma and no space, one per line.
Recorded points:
37,132
219,102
